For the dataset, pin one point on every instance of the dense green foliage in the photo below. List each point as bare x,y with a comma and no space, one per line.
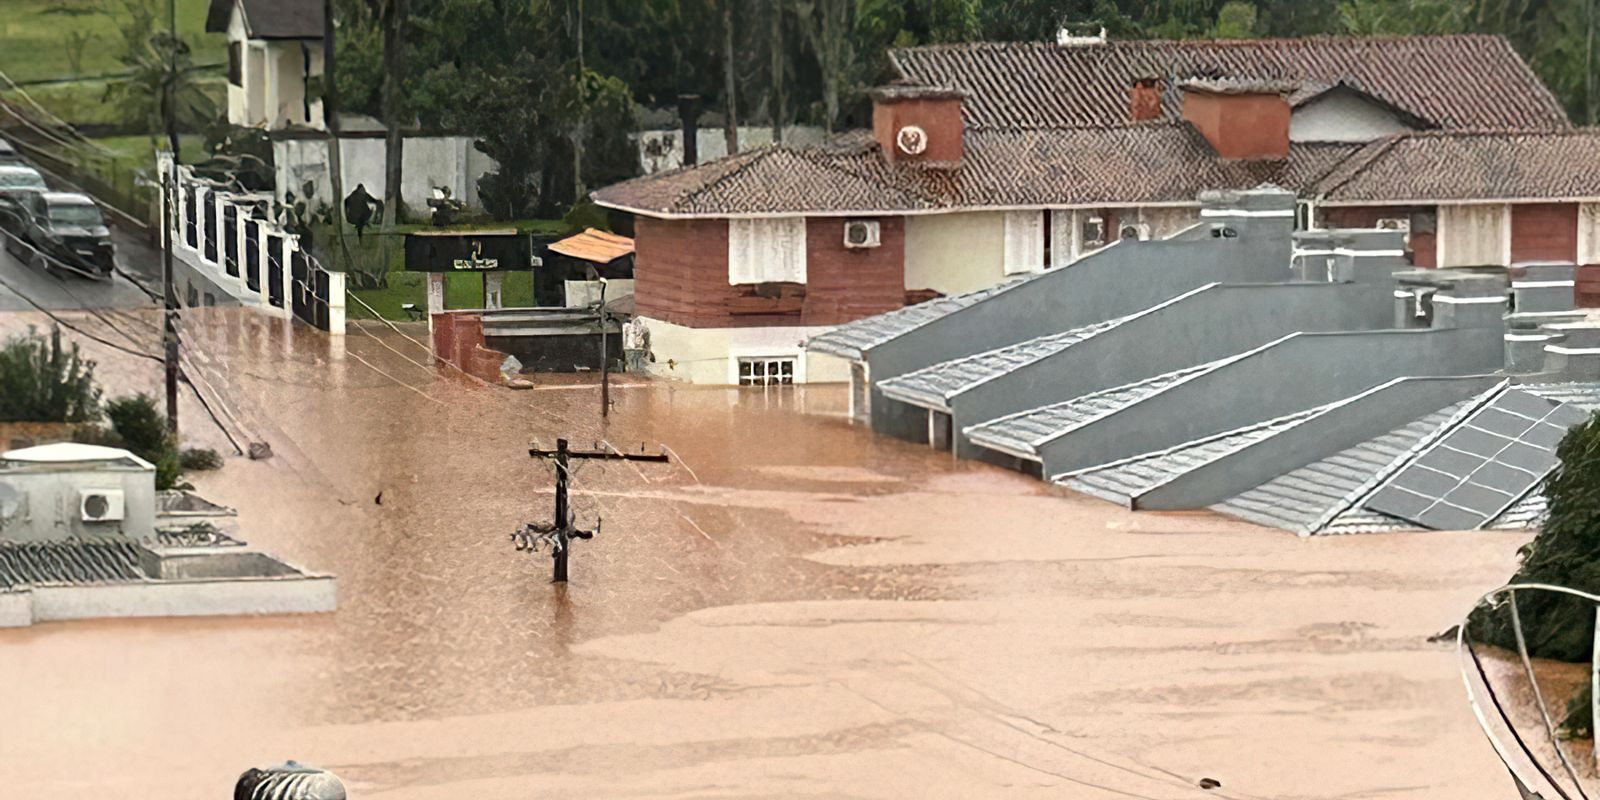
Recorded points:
1565,553
40,381
141,428
552,87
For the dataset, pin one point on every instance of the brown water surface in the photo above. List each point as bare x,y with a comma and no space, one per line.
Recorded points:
794,607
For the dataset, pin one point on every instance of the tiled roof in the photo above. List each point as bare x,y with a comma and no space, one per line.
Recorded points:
68,562
1149,163
1122,481
933,386
1470,165
1022,432
1458,81
853,339
270,19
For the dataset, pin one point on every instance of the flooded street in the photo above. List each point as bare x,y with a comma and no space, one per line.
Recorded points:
793,607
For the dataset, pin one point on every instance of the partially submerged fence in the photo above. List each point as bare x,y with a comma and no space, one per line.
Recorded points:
227,238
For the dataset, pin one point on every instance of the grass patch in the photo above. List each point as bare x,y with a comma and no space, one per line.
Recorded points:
461,290
36,38
82,102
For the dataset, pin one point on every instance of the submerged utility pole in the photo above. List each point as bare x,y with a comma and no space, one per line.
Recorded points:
169,186
560,532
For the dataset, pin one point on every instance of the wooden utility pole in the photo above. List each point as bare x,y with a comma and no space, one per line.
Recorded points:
560,532
169,289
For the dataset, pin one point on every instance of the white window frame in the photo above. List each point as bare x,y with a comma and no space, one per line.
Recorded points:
1588,233
767,250
1024,242
763,363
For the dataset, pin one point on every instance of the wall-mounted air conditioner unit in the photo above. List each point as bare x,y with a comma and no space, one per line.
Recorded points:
861,233
1395,224
100,505
1135,230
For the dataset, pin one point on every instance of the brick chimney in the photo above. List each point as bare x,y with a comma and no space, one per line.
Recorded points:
1144,100
918,123
1242,119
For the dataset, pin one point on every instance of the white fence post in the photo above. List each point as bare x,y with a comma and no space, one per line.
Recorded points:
336,302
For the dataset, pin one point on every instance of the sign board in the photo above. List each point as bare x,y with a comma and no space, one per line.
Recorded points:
467,251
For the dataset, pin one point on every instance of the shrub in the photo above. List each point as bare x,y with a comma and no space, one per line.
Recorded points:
1565,553
42,382
199,460
142,427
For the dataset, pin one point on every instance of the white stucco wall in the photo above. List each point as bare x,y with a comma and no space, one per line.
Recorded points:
426,162
955,253
663,149
710,355
1342,117
212,598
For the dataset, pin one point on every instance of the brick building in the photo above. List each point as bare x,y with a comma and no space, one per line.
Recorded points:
987,161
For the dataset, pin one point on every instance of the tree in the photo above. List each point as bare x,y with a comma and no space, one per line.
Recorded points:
392,19
829,29
161,89
40,381
1236,20
141,429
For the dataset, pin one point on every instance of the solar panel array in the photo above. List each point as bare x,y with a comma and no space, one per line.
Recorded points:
1482,467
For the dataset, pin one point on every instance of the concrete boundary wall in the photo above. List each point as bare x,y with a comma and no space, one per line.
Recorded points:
1122,279
1293,374
1213,322
1363,418
203,598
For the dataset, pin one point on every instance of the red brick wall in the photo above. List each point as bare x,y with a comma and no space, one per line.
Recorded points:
681,276
941,118
844,283
1544,232
680,270
1241,125
1424,248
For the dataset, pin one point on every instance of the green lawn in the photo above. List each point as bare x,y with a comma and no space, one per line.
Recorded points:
461,290
36,36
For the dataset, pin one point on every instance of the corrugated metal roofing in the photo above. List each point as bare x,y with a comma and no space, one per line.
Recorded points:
1123,481
1300,499
853,339
934,386
1024,431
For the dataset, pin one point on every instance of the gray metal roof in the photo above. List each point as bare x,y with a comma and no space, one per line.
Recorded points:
932,387
852,339
1122,481
1301,499
1022,432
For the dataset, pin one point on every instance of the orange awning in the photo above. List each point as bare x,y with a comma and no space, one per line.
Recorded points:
594,245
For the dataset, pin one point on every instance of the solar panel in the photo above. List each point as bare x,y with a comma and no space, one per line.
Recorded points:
1481,468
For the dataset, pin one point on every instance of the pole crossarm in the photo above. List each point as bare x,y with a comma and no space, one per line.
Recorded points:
559,533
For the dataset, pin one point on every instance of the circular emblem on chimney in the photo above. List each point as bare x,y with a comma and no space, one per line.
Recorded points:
911,140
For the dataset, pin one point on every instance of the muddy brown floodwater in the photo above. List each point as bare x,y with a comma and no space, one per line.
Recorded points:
794,607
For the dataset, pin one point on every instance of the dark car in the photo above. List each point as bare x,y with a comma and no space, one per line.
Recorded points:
15,182
9,155
69,228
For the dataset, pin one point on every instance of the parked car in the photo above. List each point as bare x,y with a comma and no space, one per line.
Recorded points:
68,227
15,181
9,155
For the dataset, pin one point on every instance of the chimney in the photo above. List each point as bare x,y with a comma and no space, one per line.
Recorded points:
689,118
918,124
1144,102
1242,119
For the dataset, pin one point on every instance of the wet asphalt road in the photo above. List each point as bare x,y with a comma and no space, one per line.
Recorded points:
20,283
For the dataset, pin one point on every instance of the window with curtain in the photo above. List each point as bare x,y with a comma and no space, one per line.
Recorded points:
1474,235
1024,242
767,250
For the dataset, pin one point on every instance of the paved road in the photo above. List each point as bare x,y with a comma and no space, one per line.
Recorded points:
70,292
